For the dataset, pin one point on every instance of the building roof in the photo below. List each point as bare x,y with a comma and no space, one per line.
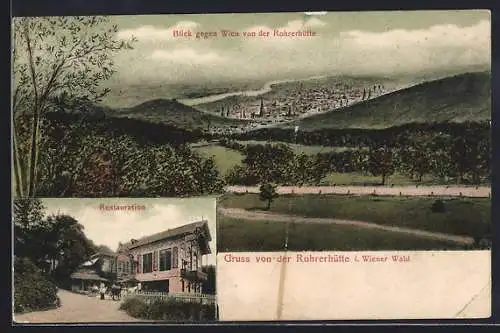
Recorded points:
87,276
170,233
90,262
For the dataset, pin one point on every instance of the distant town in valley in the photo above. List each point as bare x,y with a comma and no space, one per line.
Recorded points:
290,102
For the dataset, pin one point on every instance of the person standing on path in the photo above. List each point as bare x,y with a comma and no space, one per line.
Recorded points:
102,291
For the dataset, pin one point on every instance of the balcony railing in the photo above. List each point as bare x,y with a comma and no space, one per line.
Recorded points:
193,274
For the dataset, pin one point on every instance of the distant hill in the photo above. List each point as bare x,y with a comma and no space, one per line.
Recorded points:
171,112
140,130
459,98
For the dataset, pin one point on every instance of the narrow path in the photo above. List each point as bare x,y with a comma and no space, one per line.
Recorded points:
266,216
477,192
76,308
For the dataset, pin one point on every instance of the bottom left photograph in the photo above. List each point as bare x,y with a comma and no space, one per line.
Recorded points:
114,260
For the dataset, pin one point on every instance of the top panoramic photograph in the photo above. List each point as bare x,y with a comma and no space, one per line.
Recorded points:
257,106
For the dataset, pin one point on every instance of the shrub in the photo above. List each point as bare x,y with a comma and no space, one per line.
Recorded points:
135,306
33,290
240,175
167,309
438,206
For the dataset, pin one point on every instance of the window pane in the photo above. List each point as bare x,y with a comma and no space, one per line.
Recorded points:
162,260
165,260
168,260
175,258
147,265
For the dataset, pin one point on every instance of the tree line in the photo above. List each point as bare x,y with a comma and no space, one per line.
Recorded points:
393,137
464,160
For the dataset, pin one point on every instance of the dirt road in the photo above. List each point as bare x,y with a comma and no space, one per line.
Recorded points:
266,216
76,308
477,192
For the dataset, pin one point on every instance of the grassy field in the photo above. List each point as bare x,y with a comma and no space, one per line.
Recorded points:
225,158
462,216
297,148
236,235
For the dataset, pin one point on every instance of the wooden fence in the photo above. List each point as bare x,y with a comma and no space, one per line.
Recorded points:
185,297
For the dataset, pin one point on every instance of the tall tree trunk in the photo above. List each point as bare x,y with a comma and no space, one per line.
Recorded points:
461,177
18,171
475,177
33,154
268,204
383,179
36,117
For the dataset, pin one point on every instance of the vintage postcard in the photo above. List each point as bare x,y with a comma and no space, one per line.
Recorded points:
114,261
350,151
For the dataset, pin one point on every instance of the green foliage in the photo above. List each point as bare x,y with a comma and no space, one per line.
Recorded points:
270,163
56,61
28,216
44,239
380,162
167,309
268,193
303,167
463,156
240,175
84,163
209,285
33,290
276,163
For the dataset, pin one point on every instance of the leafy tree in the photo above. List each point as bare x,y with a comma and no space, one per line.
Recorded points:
268,193
66,242
303,169
319,169
415,160
209,285
381,162
28,215
479,155
461,157
484,157
47,240
441,161
270,163
241,175
55,59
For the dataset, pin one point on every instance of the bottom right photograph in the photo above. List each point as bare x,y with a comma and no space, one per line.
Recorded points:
342,256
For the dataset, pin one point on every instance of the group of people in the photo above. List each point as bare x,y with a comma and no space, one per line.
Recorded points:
115,290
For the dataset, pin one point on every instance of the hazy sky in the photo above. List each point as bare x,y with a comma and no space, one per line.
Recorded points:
110,227
346,43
